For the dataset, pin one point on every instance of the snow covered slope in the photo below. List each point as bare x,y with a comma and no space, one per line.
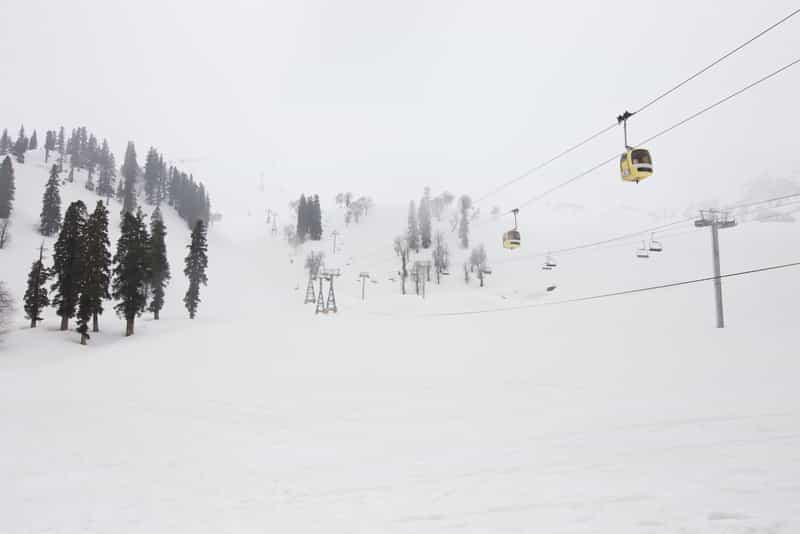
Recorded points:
625,415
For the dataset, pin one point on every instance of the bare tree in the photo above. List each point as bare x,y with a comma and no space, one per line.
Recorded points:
477,260
465,205
314,262
6,306
440,203
402,250
441,255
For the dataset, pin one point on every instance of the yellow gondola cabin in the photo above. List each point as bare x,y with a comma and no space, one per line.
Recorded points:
635,164
511,239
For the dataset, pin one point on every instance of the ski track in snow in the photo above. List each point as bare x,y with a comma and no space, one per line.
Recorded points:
259,416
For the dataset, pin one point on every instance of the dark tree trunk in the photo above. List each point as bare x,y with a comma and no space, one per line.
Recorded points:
84,338
129,327
155,315
65,323
95,324
33,323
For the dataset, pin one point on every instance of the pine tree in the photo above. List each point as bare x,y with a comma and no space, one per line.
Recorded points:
162,180
315,219
152,171
159,265
36,298
96,271
90,160
21,145
7,188
68,262
51,205
465,203
49,144
412,235
129,284
130,170
195,270
5,143
302,216
61,147
120,194
425,219
441,255
107,172
34,142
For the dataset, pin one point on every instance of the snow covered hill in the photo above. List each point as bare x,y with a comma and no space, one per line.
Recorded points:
629,414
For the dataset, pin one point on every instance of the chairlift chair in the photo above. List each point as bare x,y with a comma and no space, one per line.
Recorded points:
655,246
643,252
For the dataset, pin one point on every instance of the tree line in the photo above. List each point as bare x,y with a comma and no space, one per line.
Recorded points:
355,208
85,275
20,146
419,236
309,218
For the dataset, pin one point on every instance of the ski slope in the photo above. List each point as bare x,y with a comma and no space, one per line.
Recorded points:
626,415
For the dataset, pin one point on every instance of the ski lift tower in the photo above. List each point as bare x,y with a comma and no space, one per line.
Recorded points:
716,220
330,304
363,275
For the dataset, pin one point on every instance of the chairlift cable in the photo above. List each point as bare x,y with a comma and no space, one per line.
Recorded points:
716,61
647,105
662,132
599,296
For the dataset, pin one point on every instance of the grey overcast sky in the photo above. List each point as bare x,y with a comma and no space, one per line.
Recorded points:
386,97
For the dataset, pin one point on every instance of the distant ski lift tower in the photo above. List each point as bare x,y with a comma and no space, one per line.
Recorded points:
310,295
330,304
716,220
363,276
321,299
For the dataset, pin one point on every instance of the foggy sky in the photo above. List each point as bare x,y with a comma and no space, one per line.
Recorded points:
387,97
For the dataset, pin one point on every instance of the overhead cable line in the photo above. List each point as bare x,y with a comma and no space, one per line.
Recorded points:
717,61
602,295
599,243
545,163
650,103
638,233
631,235
660,133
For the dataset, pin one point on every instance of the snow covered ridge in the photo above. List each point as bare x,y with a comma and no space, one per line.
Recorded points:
78,248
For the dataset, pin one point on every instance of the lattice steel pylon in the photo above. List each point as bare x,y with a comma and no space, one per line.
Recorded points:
321,300
311,296
330,304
